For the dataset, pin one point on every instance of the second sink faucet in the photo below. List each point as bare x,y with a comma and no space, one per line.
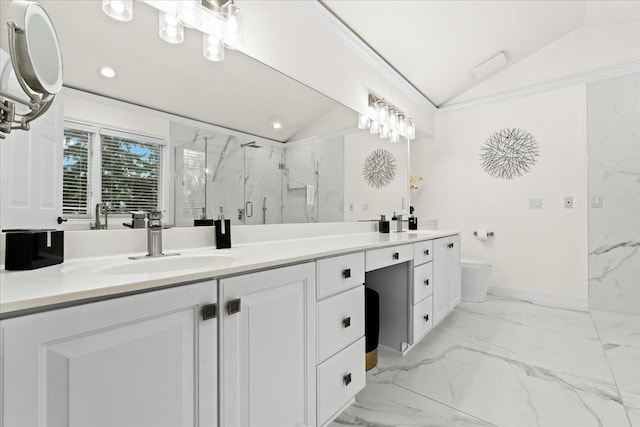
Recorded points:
154,234
101,208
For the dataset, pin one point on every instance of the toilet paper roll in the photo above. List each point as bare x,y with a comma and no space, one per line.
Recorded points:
482,234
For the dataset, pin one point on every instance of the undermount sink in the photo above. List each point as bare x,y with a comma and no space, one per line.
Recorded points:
168,264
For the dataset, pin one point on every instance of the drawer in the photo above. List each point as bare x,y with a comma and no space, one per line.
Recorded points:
379,258
340,379
422,318
340,322
422,282
339,273
422,252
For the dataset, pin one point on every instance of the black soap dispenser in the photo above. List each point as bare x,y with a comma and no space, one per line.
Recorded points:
413,220
223,231
203,221
383,224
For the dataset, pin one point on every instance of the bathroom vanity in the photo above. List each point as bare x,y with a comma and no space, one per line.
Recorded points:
270,334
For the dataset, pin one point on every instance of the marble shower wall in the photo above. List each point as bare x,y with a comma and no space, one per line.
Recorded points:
613,135
320,164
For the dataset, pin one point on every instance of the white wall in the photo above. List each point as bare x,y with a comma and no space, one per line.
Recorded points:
540,250
368,202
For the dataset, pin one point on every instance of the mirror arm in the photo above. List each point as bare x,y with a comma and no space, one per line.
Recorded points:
13,28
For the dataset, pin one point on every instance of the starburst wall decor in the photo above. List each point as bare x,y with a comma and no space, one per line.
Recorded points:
379,168
509,153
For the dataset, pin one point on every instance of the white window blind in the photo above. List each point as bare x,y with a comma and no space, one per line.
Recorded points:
193,182
76,182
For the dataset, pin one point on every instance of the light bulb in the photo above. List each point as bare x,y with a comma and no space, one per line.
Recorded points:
375,127
384,132
411,130
402,125
383,114
122,10
393,119
190,13
232,36
212,48
363,121
169,29
395,136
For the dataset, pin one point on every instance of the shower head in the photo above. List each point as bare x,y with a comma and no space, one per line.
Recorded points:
251,144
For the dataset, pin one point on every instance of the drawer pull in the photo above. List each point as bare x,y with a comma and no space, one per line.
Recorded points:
347,379
426,282
426,251
426,318
346,273
233,306
209,311
396,255
346,322
450,245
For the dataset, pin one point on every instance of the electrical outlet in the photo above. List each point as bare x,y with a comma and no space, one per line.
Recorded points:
365,207
535,203
568,202
596,201
350,207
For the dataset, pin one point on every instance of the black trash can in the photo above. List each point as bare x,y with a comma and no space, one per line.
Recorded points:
371,326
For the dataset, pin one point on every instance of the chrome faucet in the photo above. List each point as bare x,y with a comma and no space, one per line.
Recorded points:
399,224
154,234
100,208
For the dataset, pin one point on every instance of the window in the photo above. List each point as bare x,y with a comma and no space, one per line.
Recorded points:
75,171
127,173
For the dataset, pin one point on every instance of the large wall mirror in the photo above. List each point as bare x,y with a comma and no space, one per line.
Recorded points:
235,136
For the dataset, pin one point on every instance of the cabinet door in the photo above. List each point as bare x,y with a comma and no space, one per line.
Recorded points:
441,299
267,362
142,360
454,273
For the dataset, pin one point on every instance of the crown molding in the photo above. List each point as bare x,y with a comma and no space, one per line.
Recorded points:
319,11
607,73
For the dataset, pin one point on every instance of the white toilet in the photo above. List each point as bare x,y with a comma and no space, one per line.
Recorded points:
475,279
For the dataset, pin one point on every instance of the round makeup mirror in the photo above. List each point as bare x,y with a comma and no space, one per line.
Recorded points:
37,63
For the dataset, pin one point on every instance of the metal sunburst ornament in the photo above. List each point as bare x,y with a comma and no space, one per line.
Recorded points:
379,168
509,153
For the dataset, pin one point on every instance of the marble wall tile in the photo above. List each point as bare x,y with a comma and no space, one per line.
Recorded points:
613,136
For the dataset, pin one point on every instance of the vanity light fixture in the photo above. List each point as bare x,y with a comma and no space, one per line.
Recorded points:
107,72
219,21
387,121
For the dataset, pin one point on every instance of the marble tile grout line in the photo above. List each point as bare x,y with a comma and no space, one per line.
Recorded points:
606,357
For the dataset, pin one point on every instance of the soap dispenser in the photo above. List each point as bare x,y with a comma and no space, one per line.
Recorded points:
223,231
383,224
413,220
203,221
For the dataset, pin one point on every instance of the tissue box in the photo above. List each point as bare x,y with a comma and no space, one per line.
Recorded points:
30,249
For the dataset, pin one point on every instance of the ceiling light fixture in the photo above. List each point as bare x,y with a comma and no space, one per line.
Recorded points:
220,23
387,121
277,125
107,72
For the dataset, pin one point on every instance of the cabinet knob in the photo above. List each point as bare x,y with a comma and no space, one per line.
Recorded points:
233,306
450,245
346,322
347,379
426,318
396,255
426,282
346,273
426,251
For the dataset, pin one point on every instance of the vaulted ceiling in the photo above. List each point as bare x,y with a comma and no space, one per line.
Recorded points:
435,44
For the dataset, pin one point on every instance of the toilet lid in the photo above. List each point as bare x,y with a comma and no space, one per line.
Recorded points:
475,262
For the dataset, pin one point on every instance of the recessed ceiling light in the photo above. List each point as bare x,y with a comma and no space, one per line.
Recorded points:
277,125
108,72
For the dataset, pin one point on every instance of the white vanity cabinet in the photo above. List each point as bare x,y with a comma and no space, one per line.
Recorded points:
446,276
268,348
143,360
422,300
341,343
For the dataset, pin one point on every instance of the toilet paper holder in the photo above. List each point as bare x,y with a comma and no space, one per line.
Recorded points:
490,233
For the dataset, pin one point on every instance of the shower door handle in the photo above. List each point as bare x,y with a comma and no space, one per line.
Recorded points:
248,209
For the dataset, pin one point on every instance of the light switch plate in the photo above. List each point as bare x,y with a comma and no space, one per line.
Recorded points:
568,202
535,203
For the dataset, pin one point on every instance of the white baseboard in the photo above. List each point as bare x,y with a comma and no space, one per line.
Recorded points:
553,300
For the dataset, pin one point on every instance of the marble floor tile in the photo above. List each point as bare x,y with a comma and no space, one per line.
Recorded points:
620,336
508,363
382,404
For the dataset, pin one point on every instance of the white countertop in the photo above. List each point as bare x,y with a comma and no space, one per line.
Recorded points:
81,279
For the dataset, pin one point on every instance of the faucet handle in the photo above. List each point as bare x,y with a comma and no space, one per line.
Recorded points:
155,219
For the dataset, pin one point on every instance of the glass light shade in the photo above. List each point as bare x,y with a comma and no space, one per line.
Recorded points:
375,127
363,121
212,48
393,119
169,29
232,36
402,125
383,116
411,131
190,13
394,137
384,131
122,10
